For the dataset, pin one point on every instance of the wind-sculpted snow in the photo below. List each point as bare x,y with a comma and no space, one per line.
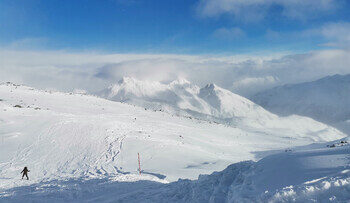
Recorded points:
80,147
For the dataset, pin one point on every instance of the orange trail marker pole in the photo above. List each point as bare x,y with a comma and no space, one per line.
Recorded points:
138,156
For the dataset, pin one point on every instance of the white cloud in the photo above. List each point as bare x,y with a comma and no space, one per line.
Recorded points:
337,33
229,33
253,10
335,30
245,74
333,34
27,43
253,84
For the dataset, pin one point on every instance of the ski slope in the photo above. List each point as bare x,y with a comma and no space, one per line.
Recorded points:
69,141
314,173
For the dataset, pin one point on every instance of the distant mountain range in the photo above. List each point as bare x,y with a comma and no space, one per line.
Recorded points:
326,100
209,103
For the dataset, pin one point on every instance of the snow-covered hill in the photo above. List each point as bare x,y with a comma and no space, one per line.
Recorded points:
181,96
84,140
326,100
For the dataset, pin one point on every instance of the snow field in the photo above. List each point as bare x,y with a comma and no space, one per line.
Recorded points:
80,147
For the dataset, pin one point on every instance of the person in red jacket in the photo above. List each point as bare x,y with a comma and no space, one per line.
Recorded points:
25,172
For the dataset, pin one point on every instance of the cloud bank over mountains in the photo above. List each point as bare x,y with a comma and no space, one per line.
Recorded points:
242,74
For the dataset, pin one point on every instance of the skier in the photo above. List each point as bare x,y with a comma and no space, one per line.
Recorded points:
25,172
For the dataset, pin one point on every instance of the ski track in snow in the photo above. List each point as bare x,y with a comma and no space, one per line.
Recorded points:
241,182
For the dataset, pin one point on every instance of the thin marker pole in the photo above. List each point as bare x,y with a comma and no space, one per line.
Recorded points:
138,156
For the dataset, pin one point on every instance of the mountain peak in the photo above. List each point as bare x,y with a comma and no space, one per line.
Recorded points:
211,86
180,81
127,79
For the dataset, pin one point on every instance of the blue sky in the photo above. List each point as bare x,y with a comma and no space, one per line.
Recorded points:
174,26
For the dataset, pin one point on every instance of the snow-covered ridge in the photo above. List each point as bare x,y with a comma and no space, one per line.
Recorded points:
228,104
182,97
326,100
179,93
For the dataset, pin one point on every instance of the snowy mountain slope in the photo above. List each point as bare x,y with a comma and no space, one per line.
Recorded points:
229,105
313,173
62,136
326,100
155,95
182,95
210,103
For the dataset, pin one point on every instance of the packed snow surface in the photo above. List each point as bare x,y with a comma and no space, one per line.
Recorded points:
84,148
